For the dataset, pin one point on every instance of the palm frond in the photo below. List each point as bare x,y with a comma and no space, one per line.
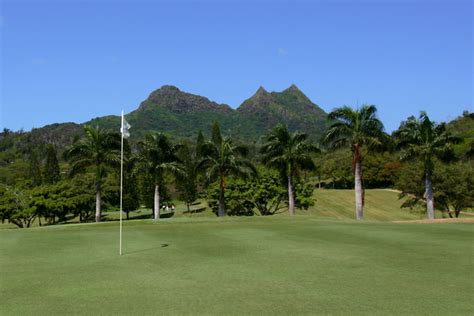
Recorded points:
354,128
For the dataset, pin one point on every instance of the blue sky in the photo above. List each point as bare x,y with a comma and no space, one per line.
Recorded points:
74,60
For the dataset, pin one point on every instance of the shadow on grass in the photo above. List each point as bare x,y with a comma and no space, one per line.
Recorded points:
163,245
135,216
195,211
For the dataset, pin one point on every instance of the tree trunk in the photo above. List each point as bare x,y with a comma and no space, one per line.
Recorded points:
127,215
17,223
157,202
291,196
457,212
189,208
429,196
221,210
97,204
358,190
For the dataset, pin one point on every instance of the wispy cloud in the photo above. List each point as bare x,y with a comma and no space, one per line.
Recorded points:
282,52
37,61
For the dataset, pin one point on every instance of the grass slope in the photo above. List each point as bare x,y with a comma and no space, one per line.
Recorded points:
239,266
380,205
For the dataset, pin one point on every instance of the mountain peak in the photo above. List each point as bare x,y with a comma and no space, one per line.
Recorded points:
293,88
264,110
167,89
261,91
177,101
261,97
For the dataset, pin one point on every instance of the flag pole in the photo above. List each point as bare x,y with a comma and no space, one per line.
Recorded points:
121,182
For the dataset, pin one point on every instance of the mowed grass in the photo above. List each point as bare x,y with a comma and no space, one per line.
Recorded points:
380,205
259,266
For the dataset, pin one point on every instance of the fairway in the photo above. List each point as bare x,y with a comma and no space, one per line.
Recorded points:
239,266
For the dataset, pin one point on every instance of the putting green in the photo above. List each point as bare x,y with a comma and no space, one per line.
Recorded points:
239,266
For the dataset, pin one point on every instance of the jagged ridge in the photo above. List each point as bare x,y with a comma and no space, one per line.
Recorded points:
182,115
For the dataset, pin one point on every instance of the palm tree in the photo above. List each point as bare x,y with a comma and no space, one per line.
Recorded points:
356,129
222,158
157,155
424,139
99,149
187,180
190,156
289,153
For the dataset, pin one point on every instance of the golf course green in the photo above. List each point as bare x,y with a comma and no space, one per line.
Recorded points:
259,265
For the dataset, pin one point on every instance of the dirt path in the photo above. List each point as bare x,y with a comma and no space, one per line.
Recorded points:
393,190
438,220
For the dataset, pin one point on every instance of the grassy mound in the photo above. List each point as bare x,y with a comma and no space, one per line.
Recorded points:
380,205
256,265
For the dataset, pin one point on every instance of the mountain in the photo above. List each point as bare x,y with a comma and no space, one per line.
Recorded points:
291,106
58,134
182,115
179,114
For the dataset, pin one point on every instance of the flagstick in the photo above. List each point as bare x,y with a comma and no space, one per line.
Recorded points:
121,184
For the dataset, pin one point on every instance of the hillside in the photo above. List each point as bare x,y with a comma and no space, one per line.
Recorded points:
463,127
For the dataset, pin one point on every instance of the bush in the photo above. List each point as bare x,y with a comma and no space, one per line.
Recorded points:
265,195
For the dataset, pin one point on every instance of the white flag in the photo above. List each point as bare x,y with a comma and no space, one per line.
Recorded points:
125,127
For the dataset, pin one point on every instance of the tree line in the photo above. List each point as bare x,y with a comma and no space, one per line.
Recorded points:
237,179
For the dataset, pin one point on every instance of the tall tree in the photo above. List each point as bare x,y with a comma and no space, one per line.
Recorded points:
289,153
221,158
34,169
199,143
188,179
424,139
98,149
357,129
131,200
216,135
157,155
51,168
